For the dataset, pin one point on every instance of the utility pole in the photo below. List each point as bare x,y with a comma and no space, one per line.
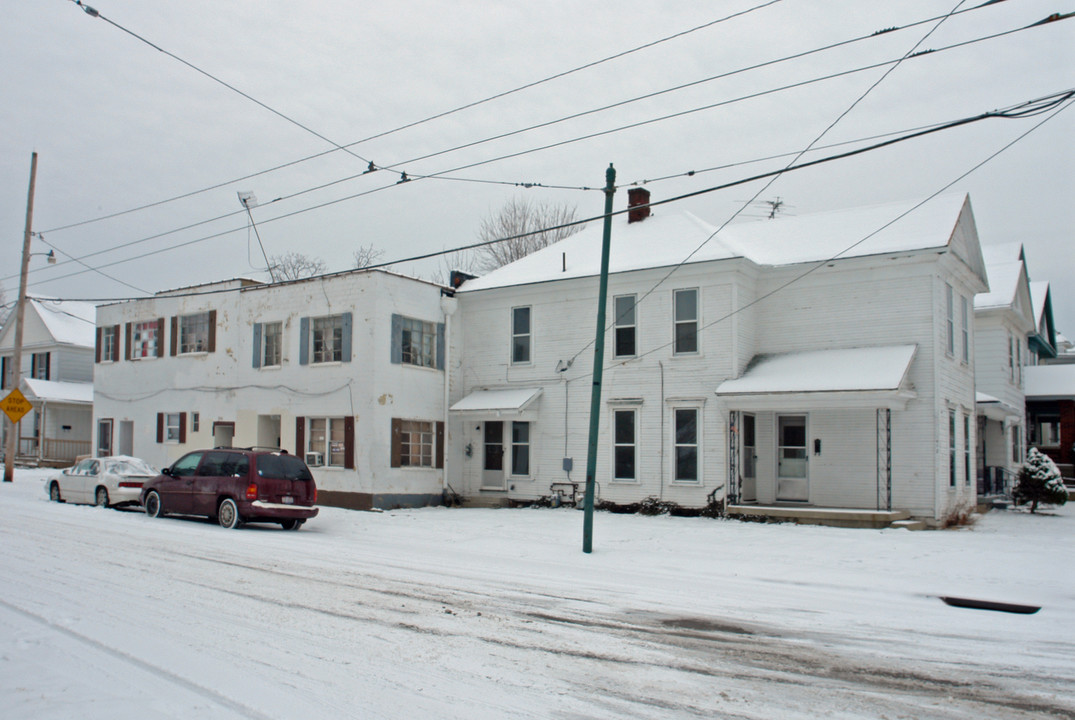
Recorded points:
10,447
598,365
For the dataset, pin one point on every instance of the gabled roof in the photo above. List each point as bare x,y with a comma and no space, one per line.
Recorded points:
1044,338
668,238
68,322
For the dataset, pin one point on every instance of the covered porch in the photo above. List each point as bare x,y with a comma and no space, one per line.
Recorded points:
810,435
59,428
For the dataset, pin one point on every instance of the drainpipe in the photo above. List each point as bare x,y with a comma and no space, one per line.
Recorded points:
448,306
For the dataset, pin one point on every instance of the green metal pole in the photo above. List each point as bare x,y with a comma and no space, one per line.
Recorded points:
598,364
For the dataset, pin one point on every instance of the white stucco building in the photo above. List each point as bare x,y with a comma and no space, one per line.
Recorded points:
817,361
346,369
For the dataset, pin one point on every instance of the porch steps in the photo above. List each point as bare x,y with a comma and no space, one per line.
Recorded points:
832,517
486,501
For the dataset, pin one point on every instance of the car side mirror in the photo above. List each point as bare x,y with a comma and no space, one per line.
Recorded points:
167,471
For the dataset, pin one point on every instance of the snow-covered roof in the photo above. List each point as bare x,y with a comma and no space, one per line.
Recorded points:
669,237
995,408
68,321
1049,382
998,253
1004,281
1039,292
877,375
56,391
497,401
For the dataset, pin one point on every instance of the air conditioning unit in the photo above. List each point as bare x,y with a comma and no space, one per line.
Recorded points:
315,459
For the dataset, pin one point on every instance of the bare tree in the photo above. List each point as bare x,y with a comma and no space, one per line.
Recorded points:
296,266
366,255
520,216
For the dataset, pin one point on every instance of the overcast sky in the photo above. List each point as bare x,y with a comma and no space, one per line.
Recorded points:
118,124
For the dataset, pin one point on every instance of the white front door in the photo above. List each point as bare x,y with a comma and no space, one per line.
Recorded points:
493,456
792,475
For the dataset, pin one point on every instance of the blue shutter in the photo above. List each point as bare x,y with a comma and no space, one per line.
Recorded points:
345,342
257,345
440,346
304,341
397,339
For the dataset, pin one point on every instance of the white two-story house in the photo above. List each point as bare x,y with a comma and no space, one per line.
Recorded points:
821,361
346,369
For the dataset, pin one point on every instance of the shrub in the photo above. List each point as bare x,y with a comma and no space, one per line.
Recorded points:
1039,481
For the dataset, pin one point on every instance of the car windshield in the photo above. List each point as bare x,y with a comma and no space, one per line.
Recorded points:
129,466
283,467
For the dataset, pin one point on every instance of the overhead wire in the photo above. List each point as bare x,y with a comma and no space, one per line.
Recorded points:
416,123
547,146
1030,108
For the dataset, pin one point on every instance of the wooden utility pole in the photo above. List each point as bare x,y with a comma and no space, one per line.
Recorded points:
10,447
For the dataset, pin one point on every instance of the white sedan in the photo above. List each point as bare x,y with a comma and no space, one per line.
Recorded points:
104,481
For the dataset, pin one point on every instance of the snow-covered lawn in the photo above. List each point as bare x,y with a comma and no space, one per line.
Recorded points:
474,614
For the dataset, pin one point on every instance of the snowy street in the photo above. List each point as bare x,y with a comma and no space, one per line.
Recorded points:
438,613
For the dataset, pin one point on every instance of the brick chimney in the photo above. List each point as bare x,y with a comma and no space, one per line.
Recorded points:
636,197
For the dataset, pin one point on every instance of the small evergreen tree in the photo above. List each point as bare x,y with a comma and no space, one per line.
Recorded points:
1039,480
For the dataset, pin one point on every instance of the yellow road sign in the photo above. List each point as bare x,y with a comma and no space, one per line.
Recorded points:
15,405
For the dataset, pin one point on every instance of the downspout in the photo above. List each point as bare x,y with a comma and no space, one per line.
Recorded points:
448,306
662,410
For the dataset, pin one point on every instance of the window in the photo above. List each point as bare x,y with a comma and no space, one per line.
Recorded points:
416,443
625,335
1011,358
951,323
39,366
145,339
1047,431
1017,444
520,335
965,328
171,427
195,421
951,448
328,437
686,444
272,338
685,332
520,448
108,344
327,339
966,449
194,333
624,434
1019,362
418,343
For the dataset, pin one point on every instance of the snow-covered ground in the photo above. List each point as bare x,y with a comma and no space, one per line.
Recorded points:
474,614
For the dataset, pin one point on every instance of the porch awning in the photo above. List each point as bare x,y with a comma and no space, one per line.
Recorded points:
54,391
995,408
871,377
497,402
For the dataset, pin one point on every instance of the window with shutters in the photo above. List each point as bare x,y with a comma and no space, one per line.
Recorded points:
326,339
172,424
417,443
418,343
194,333
272,338
327,436
145,340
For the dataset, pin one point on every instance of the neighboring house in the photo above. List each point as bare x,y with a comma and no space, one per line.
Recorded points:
1044,341
1050,401
57,379
1065,352
1005,329
346,369
820,361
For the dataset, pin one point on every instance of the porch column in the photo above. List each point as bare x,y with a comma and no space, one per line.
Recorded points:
884,458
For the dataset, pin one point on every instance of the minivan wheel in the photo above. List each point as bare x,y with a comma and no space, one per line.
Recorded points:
291,524
153,505
228,514
102,497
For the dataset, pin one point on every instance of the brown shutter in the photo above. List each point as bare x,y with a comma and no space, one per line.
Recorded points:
212,331
349,442
48,366
97,347
440,445
160,337
397,441
182,428
33,366
127,346
300,437
115,343
160,427
175,335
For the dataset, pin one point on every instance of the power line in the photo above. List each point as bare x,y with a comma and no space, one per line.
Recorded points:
531,150
1026,109
415,123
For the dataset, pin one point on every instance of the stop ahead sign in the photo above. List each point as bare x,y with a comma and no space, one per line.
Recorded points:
15,405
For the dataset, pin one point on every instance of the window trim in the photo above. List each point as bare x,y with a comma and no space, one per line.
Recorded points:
396,459
529,444
965,329
617,326
696,320
950,320
529,335
952,447
615,445
697,445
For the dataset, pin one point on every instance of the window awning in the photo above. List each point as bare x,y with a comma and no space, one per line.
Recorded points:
995,409
497,402
57,391
873,377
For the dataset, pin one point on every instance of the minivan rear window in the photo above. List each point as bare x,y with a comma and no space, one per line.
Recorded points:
283,467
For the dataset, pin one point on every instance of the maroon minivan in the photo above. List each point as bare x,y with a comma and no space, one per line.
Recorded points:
235,486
